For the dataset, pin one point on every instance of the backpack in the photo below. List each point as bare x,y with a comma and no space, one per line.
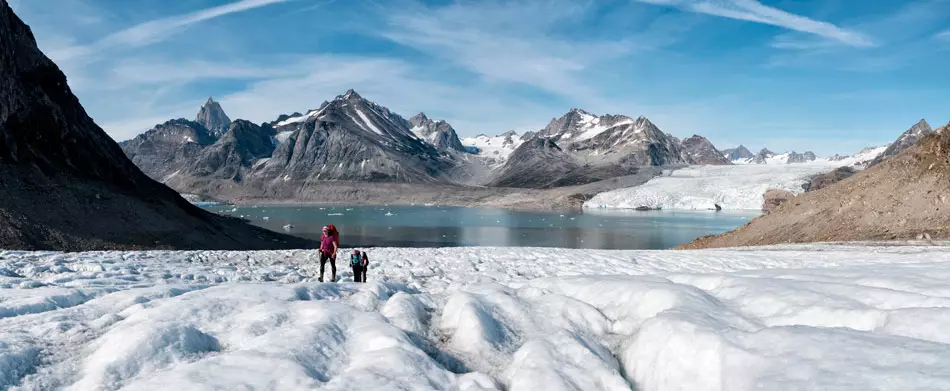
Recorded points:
355,260
332,231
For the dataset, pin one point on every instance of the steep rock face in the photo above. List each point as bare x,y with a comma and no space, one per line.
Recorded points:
699,150
235,152
738,153
166,149
536,163
213,118
65,185
351,138
438,133
614,139
906,140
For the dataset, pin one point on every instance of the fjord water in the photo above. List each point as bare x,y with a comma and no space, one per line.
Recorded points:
441,226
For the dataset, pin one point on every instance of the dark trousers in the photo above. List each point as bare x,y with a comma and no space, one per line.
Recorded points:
358,273
363,268
324,257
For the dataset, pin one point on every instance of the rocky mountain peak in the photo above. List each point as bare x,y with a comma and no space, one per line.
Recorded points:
739,153
419,119
438,133
213,118
795,157
699,150
906,140
350,94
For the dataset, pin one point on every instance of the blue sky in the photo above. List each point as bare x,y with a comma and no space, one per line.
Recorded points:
832,76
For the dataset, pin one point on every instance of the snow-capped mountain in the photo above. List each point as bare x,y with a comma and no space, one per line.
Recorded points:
351,138
614,139
765,156
438,133
906,140
66,185
213,118
699,150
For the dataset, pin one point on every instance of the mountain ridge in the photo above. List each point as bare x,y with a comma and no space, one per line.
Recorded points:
66,185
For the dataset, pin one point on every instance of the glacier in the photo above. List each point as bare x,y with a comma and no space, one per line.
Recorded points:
861,316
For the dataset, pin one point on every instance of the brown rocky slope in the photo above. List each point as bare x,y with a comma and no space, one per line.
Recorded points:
905,197
65,185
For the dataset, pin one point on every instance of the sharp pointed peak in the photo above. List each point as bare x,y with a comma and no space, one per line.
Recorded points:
210,101
351,94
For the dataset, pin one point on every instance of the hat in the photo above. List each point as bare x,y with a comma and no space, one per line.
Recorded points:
325,228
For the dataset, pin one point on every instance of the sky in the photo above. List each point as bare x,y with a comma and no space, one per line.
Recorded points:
831,76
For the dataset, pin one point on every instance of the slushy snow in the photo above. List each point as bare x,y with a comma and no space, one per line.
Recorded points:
804,317
702,187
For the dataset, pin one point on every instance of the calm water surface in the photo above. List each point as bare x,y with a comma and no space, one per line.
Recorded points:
440,226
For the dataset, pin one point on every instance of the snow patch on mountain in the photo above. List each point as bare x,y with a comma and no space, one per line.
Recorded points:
369,123
497,147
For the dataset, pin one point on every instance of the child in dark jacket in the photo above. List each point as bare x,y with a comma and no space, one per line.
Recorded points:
359,262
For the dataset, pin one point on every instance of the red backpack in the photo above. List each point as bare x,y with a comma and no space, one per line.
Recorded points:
332,231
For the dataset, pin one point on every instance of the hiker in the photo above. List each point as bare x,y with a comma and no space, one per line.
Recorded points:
329,244
356,262
365,265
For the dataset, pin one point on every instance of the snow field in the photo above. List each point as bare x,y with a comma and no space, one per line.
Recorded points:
702,187
830,317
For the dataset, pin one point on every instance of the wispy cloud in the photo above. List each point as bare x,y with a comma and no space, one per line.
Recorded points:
157,30
943,35
903,40
753,11
508,42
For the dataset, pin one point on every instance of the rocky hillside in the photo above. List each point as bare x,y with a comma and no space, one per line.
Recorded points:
438,133
906,196
213,118
67,186
698,150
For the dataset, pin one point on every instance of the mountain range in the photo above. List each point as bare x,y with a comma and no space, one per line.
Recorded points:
354,140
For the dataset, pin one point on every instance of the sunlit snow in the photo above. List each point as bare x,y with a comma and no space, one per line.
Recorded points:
778,318
737,186
368,122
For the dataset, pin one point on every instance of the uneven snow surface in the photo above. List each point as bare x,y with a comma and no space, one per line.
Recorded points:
494,147
702,187
816,317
